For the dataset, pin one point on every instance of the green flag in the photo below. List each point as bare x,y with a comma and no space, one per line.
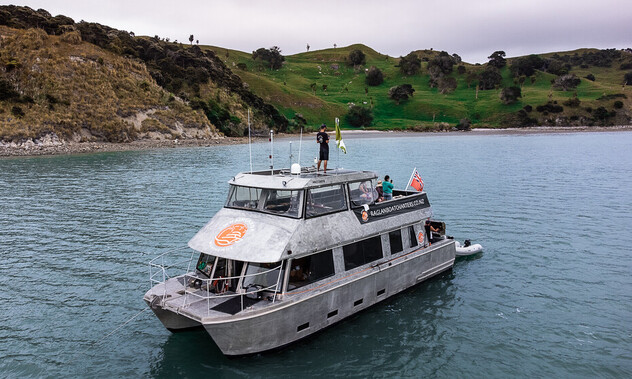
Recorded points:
339,142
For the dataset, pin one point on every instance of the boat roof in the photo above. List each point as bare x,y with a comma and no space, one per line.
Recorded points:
308,178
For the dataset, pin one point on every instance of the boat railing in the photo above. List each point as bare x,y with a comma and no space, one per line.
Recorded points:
215,288
165,266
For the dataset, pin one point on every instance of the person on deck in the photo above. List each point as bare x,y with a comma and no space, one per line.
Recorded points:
387,188
322,138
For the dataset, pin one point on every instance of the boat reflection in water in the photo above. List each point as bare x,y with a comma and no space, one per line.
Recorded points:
293,252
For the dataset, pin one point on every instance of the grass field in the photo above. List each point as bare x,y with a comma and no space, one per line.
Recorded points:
321,85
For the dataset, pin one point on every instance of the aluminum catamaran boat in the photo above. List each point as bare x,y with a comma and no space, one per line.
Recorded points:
295,251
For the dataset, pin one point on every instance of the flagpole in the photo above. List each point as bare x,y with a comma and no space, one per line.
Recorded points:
411,179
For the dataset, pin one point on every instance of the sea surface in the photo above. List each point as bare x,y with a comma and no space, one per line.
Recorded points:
550,296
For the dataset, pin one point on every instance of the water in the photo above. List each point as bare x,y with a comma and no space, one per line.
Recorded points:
551,296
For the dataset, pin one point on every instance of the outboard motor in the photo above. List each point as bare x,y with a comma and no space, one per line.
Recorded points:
467,243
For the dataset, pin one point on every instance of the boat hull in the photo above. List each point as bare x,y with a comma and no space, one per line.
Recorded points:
303,315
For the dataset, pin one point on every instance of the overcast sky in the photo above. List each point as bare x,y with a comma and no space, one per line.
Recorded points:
471,28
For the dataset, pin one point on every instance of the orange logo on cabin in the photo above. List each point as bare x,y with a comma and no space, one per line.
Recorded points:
230,235
365,216
420,237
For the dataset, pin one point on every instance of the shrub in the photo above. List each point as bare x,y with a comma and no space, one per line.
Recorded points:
447,84
242,66
573,102
628,78
528,108
374,76
590,77
461,70
510,95
7,92
601,114
464,124
17,111
357,57
272,56
566,82
490,78
401,92
359,116
549,107
410,64
625,66
618,104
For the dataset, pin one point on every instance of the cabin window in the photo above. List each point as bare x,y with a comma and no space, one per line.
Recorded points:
395,239
325,200
278,202
205,264
287,203
244,197
310,269
362,252
412,236
263,275
362,193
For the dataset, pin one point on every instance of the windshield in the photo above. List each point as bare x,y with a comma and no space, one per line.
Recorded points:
279,202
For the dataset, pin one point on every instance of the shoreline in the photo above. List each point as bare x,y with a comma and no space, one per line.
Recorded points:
69,148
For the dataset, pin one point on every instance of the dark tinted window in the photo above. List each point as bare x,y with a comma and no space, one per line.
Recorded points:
360,253
395,238
310,269
413,237
325,200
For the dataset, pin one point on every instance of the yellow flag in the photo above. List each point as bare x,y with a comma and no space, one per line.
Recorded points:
339,142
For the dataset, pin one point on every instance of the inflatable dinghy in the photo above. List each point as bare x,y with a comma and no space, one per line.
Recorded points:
467,248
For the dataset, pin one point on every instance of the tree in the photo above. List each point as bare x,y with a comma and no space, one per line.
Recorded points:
357,57
526,65
497,59
490,78
627,79
308,47
359,116
566,82
410,64
374,76
438,67
461,69
447,84
272,56
510,95
401,92
191,38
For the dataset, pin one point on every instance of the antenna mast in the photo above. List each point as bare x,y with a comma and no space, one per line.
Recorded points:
271,152
249,142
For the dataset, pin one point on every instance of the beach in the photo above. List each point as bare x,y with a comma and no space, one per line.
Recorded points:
53,146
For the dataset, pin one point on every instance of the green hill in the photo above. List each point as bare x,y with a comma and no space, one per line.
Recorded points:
89,82
321,85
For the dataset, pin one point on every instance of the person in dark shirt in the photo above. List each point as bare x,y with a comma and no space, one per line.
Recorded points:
322,138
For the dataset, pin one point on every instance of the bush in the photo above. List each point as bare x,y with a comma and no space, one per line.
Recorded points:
601,114
242,66
618,104
357,57
17,111
374,76
526,65
410,64
7,92
490,78
447,84
272,56
573,102
528,108
359,116
401,92
590,77
628,78
566,82
550,107
464,124
625,66
510,95
461,70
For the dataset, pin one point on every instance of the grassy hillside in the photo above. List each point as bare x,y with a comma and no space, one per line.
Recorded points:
298,87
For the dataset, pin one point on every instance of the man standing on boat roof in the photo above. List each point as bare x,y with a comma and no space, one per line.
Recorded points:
322,138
